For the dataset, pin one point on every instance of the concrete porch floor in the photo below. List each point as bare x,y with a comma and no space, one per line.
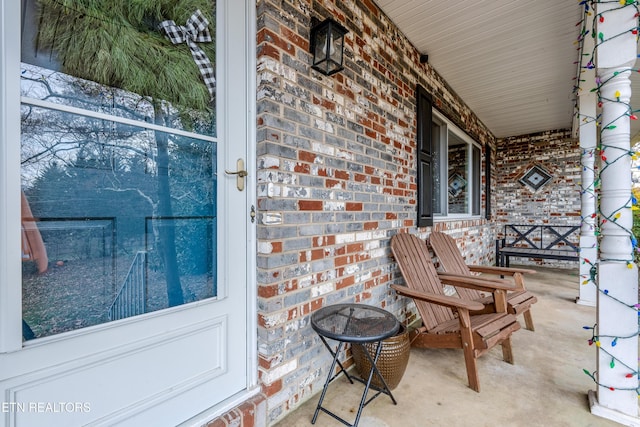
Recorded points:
545,387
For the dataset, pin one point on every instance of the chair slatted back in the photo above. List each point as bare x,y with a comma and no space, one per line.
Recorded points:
451,260
414,260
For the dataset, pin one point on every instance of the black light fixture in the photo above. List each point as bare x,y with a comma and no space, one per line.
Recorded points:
327,46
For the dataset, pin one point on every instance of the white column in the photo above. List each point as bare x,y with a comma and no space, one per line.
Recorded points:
587,101
617,352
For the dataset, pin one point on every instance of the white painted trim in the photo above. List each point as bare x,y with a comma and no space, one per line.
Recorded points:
102,116
10,263
446,127
610,414
252,245
586,303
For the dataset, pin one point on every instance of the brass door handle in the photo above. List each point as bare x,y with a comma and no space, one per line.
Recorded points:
240,174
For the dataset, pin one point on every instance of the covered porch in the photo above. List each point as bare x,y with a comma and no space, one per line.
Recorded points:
521,80
545,387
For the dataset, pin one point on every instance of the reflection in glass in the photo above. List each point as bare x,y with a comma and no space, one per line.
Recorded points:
458,162
113,57
101,194
335,41
437,161
119,187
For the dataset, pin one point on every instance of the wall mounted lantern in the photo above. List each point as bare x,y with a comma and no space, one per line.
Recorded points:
327,46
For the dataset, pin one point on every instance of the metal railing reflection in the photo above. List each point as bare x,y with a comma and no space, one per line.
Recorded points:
130,300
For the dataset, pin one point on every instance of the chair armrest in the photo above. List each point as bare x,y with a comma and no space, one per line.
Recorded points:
499,270
486,285
451,302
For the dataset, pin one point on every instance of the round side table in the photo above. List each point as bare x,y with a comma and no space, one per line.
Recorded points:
355,324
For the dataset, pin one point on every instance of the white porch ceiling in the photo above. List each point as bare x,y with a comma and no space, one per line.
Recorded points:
511,61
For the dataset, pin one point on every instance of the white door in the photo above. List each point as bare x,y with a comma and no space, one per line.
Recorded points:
124,246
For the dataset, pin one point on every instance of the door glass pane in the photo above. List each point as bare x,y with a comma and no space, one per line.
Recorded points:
118,158
458,175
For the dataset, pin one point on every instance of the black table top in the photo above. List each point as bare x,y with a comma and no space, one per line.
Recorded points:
354,323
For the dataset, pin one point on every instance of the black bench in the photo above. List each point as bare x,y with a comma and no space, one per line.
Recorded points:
538,241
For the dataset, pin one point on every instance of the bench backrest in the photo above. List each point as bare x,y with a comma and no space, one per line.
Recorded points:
557,237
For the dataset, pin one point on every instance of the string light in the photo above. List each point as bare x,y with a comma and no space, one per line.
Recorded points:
608,156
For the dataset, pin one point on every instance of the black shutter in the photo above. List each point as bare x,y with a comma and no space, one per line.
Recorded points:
424,158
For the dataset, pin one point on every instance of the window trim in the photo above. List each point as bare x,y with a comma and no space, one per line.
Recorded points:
426,114
449,126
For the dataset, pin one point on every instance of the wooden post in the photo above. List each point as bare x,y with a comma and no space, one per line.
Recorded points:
617,358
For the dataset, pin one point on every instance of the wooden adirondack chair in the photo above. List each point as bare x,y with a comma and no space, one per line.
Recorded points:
518,302
442,328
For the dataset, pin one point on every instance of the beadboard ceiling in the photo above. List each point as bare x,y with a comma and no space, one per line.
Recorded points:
512,62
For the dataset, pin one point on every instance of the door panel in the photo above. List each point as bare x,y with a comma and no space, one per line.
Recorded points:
168,361
81,387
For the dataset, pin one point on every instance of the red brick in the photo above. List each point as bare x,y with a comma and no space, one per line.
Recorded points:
342,260
302,168
322,241
315,254
218,422
358,177
354,248
268,36
268,291
273,388
301,42
248,411
306,156
332,183
341,174
268,50
347,281
310,205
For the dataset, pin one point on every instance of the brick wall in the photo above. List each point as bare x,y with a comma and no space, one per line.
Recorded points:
555,203
251,413
336,179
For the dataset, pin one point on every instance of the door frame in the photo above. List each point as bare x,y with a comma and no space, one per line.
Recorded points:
239,39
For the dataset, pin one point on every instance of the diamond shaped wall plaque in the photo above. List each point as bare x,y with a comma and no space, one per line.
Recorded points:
535,178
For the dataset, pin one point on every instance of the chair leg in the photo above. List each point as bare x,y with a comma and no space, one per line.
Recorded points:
469,353
528,320
507,353
472,368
